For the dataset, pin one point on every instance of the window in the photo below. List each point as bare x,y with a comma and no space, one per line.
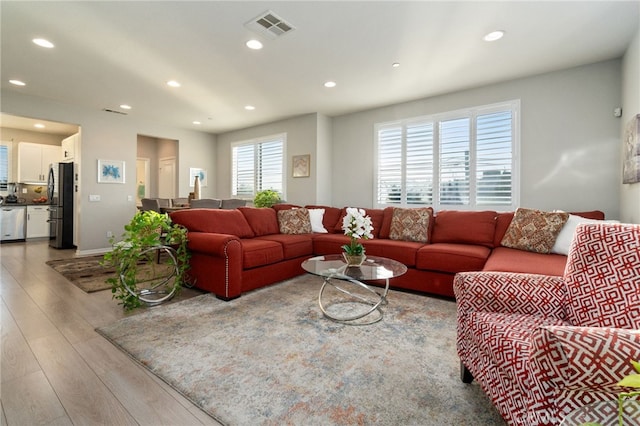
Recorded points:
258,165
462,159
5,172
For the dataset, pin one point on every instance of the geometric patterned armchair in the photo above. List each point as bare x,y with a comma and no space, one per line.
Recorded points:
541,346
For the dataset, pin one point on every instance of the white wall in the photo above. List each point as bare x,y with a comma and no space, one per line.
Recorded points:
110,136
569,138
630,193
302,138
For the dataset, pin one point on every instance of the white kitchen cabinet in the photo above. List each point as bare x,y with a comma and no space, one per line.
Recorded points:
34,160
37,221
69,148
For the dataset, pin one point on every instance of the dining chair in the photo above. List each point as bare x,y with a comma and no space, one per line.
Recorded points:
233,203
150,204
205,203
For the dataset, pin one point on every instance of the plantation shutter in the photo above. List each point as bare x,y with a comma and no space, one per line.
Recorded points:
419,164
494,158
270,163
454,176
390,165
258,165
243,171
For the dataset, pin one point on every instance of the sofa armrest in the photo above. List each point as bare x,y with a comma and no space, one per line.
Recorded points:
209,243
568,362
507,292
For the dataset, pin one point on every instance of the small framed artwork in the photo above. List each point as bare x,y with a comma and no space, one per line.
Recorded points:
202,175
110,171
301,165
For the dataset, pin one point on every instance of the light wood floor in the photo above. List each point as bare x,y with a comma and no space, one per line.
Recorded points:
55,369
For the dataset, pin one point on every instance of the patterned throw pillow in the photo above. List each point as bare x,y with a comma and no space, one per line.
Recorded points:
410,224
534,230
294,221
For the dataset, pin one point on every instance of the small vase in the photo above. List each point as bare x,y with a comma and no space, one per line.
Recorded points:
354,259
196,187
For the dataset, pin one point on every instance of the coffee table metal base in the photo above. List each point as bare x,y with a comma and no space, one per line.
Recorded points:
371,304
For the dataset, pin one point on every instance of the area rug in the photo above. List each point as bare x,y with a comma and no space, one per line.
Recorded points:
85,272
270,357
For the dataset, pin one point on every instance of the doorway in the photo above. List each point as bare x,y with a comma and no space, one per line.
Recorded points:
143,179
167,177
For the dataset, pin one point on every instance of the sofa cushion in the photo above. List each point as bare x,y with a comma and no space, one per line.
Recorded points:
453,258
330,218
294,221
465,227
401,251
259,252
504,259
263,221
217,221
316,216
329,243
292,245
503,220
411,224
534,230
376,215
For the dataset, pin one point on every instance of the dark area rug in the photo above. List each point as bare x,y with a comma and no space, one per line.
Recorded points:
271,357
85,272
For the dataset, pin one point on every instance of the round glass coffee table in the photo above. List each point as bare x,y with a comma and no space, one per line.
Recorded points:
344,296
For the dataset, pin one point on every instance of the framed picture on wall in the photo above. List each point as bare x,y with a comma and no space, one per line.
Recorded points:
301,165
201,173
110,171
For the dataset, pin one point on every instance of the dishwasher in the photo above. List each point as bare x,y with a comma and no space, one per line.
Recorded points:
12,222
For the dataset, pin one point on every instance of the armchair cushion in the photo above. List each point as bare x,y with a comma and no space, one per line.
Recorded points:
573,366
603,276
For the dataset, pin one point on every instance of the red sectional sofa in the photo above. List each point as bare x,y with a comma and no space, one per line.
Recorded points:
235,251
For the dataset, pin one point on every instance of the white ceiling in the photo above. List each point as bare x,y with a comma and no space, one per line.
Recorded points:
113,53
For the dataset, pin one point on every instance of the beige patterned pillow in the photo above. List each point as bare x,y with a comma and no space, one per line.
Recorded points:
410,224
534,230
294,221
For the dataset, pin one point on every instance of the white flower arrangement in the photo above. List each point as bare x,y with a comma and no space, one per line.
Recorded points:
356,225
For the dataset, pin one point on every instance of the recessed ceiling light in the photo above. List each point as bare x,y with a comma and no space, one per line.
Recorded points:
39,126
493,36
330,84
254,44
18,82
249,107
196,122
173,83
395,64
125,106
43,43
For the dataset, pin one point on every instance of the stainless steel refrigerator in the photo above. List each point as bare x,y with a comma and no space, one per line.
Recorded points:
60,186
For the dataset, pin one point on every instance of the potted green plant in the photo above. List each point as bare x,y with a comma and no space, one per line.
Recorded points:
139,255
266,198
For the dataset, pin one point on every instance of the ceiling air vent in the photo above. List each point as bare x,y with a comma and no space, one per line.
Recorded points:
270,24
113,111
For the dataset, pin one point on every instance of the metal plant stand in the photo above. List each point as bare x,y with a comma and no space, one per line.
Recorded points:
154,283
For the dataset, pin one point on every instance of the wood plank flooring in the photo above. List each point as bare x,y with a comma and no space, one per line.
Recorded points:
55,369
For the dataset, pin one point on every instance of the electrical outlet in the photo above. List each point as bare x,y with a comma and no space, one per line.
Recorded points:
24,190
109,234
93,197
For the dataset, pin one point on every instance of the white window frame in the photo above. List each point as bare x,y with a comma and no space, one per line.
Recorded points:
436,119
255,142
9,145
